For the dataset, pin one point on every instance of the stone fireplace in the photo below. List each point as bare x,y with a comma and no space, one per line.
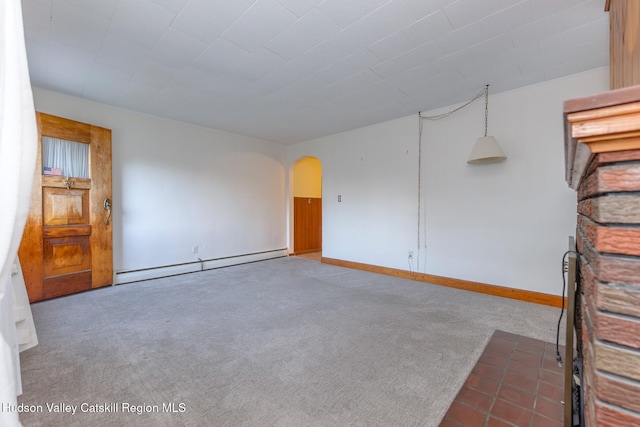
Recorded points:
602,152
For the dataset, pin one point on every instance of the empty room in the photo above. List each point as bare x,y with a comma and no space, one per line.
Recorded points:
320,213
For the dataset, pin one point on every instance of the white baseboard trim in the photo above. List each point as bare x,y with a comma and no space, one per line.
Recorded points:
192,267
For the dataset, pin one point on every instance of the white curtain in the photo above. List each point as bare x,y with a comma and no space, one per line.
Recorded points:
18,146
70,156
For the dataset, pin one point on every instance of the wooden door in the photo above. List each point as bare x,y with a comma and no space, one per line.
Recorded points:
307,224
66,246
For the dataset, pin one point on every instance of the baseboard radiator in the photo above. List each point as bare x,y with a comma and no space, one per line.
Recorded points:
128,276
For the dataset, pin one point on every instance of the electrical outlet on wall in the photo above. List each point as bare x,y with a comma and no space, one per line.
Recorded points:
194,249
410,256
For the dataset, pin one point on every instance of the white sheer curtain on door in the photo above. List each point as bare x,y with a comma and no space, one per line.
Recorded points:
18,147
70,156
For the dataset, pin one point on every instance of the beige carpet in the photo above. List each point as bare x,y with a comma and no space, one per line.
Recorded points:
286,342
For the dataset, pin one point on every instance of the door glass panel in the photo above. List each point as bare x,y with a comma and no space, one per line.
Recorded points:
65,158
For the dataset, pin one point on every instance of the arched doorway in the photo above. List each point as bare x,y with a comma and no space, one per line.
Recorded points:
307,206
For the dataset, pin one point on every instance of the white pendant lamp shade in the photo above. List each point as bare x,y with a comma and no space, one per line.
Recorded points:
486,150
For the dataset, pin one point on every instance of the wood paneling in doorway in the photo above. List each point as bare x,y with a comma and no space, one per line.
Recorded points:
307,224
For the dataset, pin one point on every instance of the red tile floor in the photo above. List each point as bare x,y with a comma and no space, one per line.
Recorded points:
516,382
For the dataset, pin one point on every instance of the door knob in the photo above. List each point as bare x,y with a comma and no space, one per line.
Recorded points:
107,207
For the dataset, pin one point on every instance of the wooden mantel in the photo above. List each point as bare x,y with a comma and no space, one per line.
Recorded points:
601,123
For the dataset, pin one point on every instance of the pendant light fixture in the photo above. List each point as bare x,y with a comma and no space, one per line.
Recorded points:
486,149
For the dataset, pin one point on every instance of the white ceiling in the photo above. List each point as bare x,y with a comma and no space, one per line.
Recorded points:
293,70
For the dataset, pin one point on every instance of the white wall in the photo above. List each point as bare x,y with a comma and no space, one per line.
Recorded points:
176,186
505,224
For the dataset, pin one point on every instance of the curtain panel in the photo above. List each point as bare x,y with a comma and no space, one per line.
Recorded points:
18,146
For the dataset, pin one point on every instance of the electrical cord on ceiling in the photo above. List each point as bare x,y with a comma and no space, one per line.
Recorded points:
564,285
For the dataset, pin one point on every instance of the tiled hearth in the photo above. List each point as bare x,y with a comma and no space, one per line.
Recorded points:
516,382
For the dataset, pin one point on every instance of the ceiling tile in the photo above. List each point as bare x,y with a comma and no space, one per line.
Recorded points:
67,72
378,93
174,6
286,46
379,24
258,64
462,38
264,20
272,82
121,54
177,49
485,50
483,73
37,21
174,97
151,73
512,17
518,54
347,67
140,21
221,10
438,94
137,93
428,52
358,81
68,52
537,64
102,8
507,3
300,89
422,8
599,30
597,59
206,20
565,39
416,76
220,57
304,34
517,81
105,84
391,46
450,62
544,27
345,13
589,12
78,28
464,12
428,28
488,48
389,18
228,85
299,7
427,83
37,57
197,25
192,79
542,8
554,71
315,59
